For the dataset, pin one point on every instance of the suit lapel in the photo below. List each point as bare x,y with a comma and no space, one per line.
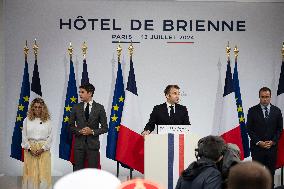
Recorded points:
260,113
165,112
81,109
271,112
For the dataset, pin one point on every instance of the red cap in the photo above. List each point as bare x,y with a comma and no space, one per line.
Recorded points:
139,184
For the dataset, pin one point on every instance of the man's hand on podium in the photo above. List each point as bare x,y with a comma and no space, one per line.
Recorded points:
146,132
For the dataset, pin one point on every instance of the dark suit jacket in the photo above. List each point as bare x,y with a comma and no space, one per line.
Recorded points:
260,129
160,116
77,121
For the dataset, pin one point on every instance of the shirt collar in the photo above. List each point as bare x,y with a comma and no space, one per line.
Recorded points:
168,105
90,103
268,106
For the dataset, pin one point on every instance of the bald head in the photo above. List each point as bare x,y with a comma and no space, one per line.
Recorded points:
249,175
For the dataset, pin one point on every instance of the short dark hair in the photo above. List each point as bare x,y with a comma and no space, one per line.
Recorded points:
264,89
211,147
88,87
168,88
249,175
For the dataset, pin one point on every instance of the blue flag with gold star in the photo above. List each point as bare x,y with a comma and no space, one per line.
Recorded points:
16,148
116,113
70,100
244,134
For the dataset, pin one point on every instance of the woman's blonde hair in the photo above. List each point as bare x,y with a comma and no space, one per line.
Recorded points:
44,116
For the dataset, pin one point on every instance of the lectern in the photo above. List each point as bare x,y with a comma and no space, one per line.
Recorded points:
168,153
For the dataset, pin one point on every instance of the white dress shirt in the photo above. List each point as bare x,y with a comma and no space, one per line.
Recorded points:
38,131
90,105
169,108
263,109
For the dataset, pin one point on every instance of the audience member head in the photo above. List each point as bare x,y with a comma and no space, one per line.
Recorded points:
211,147
249,175
139,184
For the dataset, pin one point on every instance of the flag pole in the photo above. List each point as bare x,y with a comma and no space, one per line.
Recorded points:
118,50
130,50
282,52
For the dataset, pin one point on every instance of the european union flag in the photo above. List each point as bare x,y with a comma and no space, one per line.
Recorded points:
116,113
16,148
71,99
239,104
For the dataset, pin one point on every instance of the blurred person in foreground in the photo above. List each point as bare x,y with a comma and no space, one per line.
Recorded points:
204,173
249,175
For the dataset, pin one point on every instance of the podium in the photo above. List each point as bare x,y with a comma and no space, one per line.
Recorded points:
167,154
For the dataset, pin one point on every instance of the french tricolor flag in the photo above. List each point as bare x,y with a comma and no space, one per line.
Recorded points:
130,143
229,128
280,104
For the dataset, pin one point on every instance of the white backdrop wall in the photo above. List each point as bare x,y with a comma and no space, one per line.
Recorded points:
2,93
193,66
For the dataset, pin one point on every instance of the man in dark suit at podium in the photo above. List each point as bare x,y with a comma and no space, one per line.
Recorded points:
168,113
265,124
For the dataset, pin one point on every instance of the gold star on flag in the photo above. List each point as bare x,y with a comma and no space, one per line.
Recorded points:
21,107
26,98
21,127
68,108
121,99
19,118
66,119
240,109
117,128
242,119
73,99
114,118
115,108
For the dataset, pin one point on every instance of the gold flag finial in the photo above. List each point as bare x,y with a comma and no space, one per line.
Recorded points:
26,49
35,48
70,49
119,49
282,50
236,52
84,49
131,49
228,50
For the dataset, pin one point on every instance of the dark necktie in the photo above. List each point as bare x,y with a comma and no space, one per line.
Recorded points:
266,112
172,112
87,113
